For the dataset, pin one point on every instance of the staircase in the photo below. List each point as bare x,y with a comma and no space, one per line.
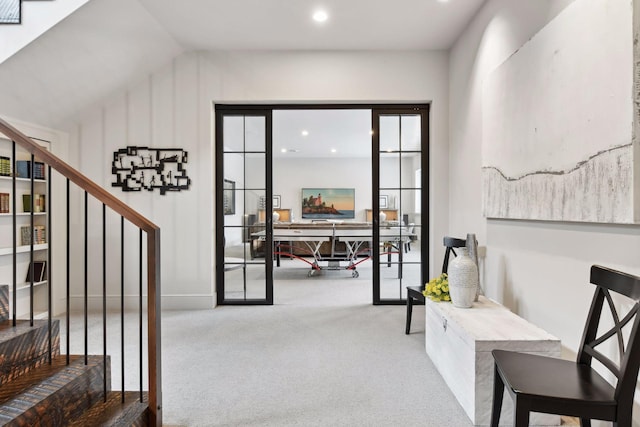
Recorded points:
63,391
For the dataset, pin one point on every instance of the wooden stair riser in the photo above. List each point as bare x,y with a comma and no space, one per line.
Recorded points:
59,398
113,412
24,348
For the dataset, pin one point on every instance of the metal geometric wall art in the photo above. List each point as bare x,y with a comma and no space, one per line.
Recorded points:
144,168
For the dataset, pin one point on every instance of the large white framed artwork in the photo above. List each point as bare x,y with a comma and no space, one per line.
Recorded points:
558,116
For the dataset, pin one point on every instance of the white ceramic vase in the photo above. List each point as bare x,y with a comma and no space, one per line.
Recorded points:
275,216
383,216
463,279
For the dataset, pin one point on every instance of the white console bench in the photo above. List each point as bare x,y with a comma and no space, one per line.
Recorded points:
459,342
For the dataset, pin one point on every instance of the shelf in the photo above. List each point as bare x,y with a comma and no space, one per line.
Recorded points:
8,178
27,285
23,249
23,214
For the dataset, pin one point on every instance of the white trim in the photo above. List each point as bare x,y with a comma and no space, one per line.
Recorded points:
131,302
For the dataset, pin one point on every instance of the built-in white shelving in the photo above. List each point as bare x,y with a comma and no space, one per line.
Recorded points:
23,186
23,249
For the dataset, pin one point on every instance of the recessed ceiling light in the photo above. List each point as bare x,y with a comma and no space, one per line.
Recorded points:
333,150
320,16
305,132
443,1
284,150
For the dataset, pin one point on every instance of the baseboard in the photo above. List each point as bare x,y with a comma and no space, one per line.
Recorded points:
132,302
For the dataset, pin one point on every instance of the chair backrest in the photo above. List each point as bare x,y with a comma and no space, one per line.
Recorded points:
626,370
450,243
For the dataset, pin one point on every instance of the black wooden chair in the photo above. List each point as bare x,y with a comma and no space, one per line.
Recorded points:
563,387
414,293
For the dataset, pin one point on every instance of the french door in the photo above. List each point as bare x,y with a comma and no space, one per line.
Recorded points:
243,183
400,147
244,201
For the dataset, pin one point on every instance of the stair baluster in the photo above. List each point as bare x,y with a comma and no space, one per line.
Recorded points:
80,385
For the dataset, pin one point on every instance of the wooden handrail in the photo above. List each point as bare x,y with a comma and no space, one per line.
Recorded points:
76,177
153,256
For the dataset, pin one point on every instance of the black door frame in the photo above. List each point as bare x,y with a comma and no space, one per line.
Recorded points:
267,109
219,232
376,112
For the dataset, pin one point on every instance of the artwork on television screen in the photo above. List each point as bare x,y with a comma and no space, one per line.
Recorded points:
328,203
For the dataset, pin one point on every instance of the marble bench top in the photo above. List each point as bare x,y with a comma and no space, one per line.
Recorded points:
489,325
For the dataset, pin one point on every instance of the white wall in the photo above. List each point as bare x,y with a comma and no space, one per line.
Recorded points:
538,269
173,106
290,176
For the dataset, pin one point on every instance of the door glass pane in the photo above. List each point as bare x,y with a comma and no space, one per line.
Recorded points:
255,133
410,214
389,170
233,133
234,242
255,169
234,169
256,280
411,138
234,288
410,162
389,133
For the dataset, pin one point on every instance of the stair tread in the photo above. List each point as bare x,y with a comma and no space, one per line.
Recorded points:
23,399
30,382
115,413
26,347
8,331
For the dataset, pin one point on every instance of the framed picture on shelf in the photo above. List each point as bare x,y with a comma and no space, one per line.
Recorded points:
384,202
39,269
229,197
276,202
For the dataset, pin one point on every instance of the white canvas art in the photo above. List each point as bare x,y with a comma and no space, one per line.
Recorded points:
558,121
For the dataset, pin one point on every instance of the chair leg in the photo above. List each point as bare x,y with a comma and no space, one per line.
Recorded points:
409,313
586,422
520,415
498,392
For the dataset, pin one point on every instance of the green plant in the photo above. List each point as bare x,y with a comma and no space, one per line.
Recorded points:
438,288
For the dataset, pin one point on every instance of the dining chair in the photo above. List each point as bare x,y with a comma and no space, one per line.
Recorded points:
406,240
563,387
414,293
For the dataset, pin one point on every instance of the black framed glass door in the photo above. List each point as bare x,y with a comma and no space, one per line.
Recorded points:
400,147
243,187
244,201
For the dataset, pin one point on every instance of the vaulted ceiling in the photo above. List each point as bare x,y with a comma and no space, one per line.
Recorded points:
107,44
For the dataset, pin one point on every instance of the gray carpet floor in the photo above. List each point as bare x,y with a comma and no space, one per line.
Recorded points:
322,355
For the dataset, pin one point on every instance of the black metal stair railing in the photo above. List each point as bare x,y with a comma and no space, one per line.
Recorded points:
109,204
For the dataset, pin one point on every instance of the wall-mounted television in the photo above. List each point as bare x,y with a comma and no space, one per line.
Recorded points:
328,203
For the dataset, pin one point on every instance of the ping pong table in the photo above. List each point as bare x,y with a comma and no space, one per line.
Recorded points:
355,241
